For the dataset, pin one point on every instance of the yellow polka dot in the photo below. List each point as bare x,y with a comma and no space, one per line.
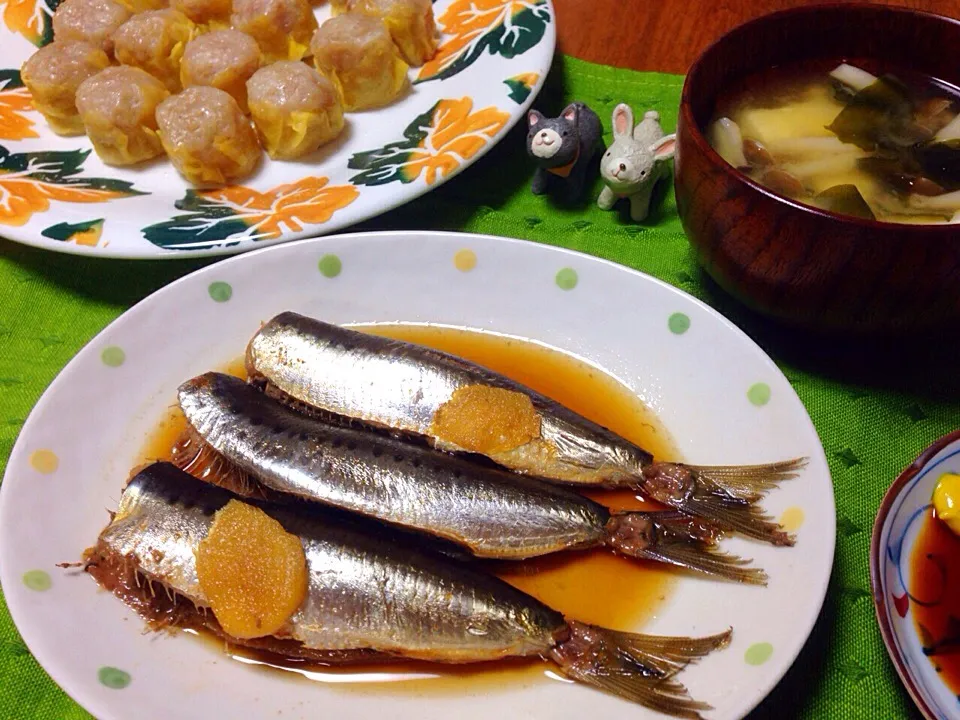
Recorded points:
44,461
792,518
465,260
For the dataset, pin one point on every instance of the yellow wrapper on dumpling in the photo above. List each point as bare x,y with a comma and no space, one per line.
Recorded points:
356,52
287,136
282,28
376,82
208,14
154,41
139,6
53,74
411,25
118,107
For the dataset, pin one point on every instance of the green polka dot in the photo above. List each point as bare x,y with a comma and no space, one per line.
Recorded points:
113,356
759,394
567,279
37,580
330,266
220,291
678,323
758,653
113,678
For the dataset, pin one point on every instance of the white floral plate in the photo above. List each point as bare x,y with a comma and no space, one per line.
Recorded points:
716,392
55,192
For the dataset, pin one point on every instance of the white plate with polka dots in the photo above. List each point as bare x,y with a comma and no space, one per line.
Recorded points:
719,396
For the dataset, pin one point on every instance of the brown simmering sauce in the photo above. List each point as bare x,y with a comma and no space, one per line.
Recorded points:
935,592
594,586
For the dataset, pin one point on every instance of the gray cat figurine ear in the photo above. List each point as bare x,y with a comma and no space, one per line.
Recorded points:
571,113
533,118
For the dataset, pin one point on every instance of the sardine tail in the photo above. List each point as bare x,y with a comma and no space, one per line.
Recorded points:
725,496
636,667
679,540
750,482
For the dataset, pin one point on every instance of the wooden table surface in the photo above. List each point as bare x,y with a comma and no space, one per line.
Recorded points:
668,35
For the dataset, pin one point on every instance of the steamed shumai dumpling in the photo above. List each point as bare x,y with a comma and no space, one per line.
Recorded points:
295,109
223,59
117,106
53,74
357,52
92,21
410,23
282,28
208,138
154,41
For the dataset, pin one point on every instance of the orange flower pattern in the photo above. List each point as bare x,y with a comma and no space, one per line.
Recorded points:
435,144
31,18
500,27
225,216
14,101
30,181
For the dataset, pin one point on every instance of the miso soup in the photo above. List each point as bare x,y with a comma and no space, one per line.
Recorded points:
837,137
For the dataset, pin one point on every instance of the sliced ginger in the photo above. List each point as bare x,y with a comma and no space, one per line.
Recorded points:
253,572
485,419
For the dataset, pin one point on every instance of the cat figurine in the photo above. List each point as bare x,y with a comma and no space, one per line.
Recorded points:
563,148
635,162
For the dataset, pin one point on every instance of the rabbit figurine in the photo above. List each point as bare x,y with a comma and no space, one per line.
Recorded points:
636,161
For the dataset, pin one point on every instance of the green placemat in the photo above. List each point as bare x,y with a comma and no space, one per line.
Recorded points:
874,407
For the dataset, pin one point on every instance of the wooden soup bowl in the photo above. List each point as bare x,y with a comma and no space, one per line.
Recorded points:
798,264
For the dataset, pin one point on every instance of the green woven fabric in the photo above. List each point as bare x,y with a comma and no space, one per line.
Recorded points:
874,410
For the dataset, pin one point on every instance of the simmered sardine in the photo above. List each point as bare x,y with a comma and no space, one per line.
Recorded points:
368,596
460,406
490,512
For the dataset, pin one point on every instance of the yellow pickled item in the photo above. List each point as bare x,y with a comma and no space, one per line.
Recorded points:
53,74
339,7
154,41
295,109
411,25
117,106
282,28
946,501
208,138
357,53
223,59
253,572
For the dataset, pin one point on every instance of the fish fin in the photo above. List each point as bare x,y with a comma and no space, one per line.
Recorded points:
751,482
636,667
192,455
679,540
724,496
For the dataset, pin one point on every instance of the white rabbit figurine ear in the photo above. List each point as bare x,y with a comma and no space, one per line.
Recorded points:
533,118
664,148
622,121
